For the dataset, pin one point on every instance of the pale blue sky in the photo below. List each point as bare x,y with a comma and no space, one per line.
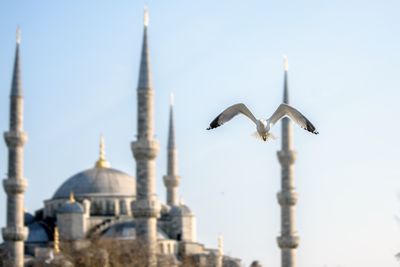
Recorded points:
80,63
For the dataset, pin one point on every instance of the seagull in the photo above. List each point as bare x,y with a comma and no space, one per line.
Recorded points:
264,126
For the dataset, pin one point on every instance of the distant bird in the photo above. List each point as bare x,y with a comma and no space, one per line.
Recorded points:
264,126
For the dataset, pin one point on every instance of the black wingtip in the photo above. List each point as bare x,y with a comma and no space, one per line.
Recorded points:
311,128
214,123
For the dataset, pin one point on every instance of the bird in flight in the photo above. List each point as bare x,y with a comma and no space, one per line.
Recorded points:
264,126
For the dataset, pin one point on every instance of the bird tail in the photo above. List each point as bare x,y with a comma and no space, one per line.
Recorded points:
269,136
256,135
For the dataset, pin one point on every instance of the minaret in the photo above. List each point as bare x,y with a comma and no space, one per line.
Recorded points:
220,255
15,184
287,198
146,207
171,180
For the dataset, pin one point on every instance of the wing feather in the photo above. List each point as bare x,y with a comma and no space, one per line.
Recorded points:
231,112
285,110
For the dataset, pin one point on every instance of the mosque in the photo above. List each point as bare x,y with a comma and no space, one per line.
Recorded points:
104,203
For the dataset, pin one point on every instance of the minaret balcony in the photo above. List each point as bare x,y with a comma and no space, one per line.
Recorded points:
286,157
288,241
15,139
15,186
15,233
171,180
287,198
145,149
146,208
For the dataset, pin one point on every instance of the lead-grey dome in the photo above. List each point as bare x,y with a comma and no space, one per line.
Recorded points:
71,207
98,181
127,230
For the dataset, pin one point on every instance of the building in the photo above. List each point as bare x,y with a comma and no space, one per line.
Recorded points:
103,203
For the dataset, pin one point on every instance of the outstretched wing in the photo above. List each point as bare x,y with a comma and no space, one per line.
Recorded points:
231,112
286,110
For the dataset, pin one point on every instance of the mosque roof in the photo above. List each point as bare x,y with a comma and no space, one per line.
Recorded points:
98,182
71,207
101,180
127,231
37,233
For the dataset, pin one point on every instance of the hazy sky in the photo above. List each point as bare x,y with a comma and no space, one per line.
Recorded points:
80,63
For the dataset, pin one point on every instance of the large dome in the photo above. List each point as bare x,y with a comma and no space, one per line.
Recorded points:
98,181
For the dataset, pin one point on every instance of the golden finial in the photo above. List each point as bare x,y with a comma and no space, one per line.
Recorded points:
56,244
71,197
171,99
220,244
285,63
18,35
102,162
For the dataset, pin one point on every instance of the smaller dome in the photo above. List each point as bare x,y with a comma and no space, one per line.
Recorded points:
181,210
37,233
28,218
71,206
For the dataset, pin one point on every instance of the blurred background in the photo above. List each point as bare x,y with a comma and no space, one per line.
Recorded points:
80,64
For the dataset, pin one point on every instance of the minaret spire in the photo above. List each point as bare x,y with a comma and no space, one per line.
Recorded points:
15,184
16,86
171,180
285,81
146,207
288,241
145,80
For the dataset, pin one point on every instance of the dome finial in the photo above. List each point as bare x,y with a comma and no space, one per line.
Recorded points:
71,197
102,162
56,244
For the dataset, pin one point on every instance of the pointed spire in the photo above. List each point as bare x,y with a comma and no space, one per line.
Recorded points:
102,162
16,86
171,133
71,197
285,83
145,82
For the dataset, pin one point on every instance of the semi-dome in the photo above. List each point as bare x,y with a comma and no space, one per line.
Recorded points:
98,181
127,231
37,233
